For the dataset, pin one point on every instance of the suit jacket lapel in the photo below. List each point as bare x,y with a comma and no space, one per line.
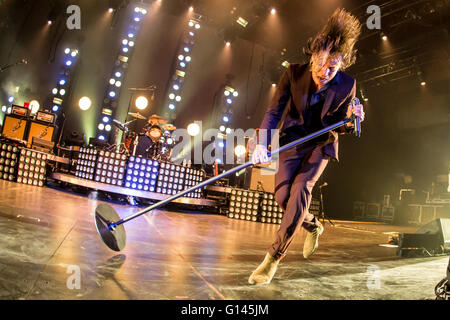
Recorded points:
331,92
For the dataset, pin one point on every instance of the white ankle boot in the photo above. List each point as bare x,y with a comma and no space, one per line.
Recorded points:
265,271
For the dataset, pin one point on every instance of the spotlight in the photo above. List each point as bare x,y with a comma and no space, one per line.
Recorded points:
68,63
222,128
229,101
193,129
273,11
178,98
62,92
141,103
191,9
112,81
62,82
383,36
225,119
55,108
274,85
110,10
226,93
118,74
228,131
11,99
49,22
84,103
55,91
239,151
4,108
105,119
423,83
171,106
228,43
221,144
112,94
188,59
67,51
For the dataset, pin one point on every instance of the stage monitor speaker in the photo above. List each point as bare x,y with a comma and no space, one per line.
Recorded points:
434,237
15,127
263,177
41,130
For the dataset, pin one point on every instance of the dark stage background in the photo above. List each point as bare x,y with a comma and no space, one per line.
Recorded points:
407,128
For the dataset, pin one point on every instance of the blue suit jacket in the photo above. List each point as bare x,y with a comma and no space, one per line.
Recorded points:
286,107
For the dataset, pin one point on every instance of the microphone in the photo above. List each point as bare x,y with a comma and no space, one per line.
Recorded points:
357,120
324,185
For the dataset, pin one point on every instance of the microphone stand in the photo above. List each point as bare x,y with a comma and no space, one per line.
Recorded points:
322,211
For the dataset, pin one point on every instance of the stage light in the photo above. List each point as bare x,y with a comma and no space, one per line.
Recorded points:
221,144
229,101
74,53
274,85
178,98
137,19
182,64
226,93
118,84
222,128
191,33
130,35
118,74
176,87
101,126
86,163
225,119
197,26
141,103
8,111
11,99
193,129
49,22
67,51
4,108
110,10
62,92
242,22
186,49
34,106
188,59
171,106
239,151
32,167
285,64
384,37
235,94
423,83
8,162
228,43
112,94
169,141
62,82
68,63
228,130
125,49
191,9
131,43
84,103
108,127
141,174
273,11
171,96
191,24
181,57
105,119
110,168
112,81
55,108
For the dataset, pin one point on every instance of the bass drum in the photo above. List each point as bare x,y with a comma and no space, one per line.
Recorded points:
144,143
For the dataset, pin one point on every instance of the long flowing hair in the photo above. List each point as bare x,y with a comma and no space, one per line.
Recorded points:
339,35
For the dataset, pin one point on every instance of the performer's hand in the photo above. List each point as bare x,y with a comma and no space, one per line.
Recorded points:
260,155
358,111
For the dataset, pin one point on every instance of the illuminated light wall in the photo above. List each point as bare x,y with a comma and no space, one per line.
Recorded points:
114,85
229,95
181,66
60,90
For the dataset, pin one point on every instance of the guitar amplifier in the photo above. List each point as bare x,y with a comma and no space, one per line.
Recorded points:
41,130
15,127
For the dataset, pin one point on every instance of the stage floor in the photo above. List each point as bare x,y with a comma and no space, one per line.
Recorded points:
48,235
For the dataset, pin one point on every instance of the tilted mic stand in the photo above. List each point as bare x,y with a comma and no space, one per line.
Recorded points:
322,211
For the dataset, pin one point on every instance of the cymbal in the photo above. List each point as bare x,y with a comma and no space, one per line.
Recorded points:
169,127
136,115
156,119
120,125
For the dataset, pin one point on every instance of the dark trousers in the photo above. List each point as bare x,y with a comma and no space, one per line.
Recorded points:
298,171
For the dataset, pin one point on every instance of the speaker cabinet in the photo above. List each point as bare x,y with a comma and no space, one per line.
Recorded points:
263,177
41,130
15,127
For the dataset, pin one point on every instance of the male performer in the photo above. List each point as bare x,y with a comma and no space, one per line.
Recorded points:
308,98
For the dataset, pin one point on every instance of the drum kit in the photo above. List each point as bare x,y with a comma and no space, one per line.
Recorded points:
154,141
